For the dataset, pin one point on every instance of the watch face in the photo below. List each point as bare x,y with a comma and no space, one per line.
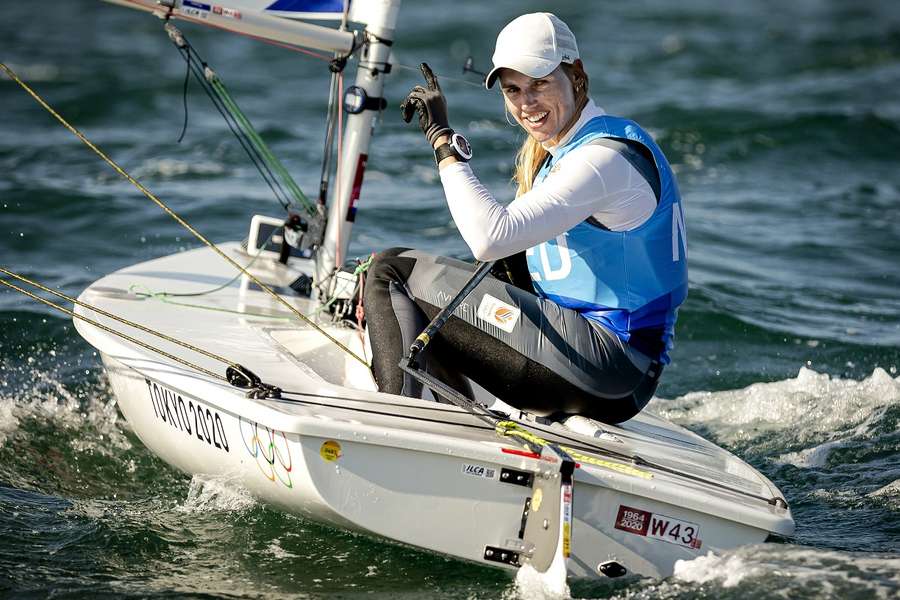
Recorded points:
461,145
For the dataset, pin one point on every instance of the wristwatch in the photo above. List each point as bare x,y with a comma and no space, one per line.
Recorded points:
458,147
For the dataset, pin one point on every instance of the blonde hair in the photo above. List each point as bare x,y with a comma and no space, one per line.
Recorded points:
531,154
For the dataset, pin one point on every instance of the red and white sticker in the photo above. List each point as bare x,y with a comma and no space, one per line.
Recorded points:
658,527
226,12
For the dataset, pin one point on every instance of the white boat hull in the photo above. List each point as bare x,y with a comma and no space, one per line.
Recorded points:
403,469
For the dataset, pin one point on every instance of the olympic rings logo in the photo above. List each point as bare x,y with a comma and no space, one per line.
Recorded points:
272,453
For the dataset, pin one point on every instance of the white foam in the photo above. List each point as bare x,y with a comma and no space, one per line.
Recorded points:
43,397
728,571
794,568
277,551
814,411
8,420
207,494
532,585
889,494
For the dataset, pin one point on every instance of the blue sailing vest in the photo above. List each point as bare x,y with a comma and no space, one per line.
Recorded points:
625,280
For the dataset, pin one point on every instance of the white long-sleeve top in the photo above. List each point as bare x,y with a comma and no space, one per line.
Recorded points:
589,181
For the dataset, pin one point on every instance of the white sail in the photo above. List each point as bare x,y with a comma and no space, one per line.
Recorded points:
291,9
295,9
262,19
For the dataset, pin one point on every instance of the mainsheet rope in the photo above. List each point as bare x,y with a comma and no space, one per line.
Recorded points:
12,75
109,315
120,334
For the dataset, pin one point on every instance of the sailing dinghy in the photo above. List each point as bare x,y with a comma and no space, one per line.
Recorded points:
260,377
645,494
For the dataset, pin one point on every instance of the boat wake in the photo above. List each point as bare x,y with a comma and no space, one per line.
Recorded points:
38,395
532,585
831,444
796,572
799,421
763,571
207,495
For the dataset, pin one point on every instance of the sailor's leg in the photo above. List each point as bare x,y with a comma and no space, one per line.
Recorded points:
393,320
548,359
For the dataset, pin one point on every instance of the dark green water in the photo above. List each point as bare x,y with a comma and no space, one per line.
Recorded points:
783,121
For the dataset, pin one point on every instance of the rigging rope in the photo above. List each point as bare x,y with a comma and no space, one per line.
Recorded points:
184,100
270,168
334,105
268,156
418,71
264,170
12,75
215,289
109,315
125,336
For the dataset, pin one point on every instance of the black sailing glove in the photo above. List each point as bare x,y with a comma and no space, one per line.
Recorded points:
431,106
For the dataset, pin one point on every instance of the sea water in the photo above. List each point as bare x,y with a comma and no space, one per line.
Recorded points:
782,123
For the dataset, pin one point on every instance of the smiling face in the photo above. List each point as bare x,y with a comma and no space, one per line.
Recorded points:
543,107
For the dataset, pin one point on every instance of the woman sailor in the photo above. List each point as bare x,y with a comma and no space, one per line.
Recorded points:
580,318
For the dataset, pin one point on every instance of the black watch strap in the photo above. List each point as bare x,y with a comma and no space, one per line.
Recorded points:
445,150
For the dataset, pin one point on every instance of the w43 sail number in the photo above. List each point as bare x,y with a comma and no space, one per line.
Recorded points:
193,419
658,527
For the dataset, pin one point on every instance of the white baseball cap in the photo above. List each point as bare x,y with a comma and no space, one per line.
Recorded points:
533,44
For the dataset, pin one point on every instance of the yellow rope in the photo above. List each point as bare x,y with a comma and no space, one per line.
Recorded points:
608,464
177,218
118,333
117,318
513,429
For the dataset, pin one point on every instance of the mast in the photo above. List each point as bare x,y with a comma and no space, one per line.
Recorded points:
380,17
361,104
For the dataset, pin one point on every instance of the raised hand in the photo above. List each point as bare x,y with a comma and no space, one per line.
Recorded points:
431,105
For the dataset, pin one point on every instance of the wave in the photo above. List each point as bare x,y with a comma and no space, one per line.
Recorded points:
56,418
171,168
795,572
208,494
831,444
47,401
807,415
729,136
763,571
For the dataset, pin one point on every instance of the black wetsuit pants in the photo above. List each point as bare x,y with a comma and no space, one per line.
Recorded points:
551,362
